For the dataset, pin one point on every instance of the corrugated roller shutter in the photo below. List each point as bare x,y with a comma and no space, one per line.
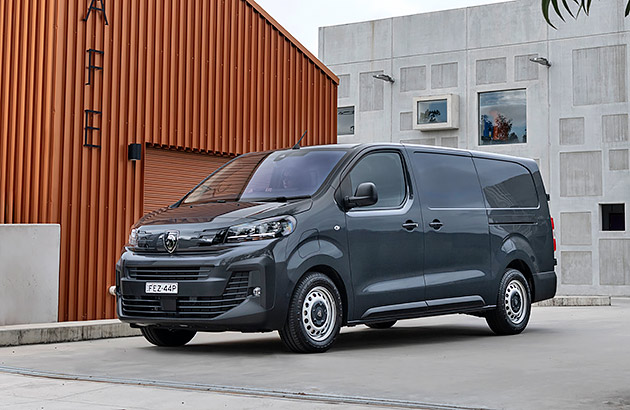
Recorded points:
169,174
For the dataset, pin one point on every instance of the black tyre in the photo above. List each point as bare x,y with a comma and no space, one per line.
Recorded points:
381,325
314,317
513,305
167,337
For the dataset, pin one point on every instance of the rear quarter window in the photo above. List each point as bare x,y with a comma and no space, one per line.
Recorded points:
506,184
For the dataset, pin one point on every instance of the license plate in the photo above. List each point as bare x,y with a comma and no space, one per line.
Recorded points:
153,287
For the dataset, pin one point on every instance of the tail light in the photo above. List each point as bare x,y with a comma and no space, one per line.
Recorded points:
553,233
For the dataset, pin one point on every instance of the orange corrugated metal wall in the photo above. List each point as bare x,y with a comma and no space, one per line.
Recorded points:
214,76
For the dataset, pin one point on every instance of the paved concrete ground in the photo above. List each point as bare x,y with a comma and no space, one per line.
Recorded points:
568,358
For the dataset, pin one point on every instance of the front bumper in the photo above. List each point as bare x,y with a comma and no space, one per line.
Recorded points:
215,291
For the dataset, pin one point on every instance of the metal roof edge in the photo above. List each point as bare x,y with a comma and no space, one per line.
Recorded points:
293,40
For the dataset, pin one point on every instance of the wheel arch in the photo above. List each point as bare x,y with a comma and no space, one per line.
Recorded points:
521,266
333,275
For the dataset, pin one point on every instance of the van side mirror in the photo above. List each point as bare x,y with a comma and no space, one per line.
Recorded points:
365,195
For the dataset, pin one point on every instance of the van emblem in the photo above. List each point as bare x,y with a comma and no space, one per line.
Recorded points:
170,240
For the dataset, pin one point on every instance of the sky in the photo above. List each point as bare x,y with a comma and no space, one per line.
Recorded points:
302,18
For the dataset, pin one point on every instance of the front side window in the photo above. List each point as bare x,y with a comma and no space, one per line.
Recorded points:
268,175
502,117
385,171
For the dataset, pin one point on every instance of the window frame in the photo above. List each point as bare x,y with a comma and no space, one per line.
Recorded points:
479,143
345,187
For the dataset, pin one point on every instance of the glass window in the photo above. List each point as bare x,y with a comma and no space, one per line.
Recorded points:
385,170
268,175
432,112
345,120
447,181
502,117
506,184
613,217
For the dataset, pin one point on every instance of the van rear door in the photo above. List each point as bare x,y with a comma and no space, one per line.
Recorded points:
457,264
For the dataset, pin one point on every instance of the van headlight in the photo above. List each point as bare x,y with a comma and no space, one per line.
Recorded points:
263,229
133,238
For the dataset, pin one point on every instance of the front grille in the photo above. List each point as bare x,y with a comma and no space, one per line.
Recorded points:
200,307
168,272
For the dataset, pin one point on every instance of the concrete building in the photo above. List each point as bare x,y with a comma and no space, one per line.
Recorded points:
465,78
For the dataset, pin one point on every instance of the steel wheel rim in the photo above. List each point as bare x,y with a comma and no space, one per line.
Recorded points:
319,314
516,302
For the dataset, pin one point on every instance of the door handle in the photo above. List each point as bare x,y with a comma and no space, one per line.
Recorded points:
410,225
435,224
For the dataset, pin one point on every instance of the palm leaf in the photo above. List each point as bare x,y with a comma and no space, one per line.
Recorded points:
557,9
566,6
545,11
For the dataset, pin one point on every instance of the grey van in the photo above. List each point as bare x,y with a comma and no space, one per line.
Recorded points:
307,240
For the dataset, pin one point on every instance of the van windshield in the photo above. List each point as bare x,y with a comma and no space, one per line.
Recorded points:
266,176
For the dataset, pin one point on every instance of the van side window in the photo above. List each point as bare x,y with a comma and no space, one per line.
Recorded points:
385,170
447,181
506,184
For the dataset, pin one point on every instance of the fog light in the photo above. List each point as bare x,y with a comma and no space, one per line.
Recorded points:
256,292
112,290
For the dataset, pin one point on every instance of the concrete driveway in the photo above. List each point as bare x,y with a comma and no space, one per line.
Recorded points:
568,358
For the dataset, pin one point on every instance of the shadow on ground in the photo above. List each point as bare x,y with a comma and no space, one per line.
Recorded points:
356,340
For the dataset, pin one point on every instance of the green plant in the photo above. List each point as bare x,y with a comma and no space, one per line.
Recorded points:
573,7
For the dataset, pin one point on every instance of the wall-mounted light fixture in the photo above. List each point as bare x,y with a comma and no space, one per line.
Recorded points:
384,77
541,61
134,152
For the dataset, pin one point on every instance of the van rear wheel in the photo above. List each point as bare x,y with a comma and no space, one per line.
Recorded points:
513,307
314,317
167,337
381,325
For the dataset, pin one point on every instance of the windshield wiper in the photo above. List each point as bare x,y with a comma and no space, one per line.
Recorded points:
282,198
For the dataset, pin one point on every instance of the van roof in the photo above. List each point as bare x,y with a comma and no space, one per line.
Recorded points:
527,162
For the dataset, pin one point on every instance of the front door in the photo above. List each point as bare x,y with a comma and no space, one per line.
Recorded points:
385,240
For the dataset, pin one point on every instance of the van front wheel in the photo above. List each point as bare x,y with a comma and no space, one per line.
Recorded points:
314,317
513,305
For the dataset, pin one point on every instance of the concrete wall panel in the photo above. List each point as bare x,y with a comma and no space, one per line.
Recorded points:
371,40
370,91
413,78
524,69
575,228
581,173
343,91
491,71
506,23
618,159
29,286
444,75
428,33
422,141
614,261
599,75
577,268
406,121
571,131
451,142
615,128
